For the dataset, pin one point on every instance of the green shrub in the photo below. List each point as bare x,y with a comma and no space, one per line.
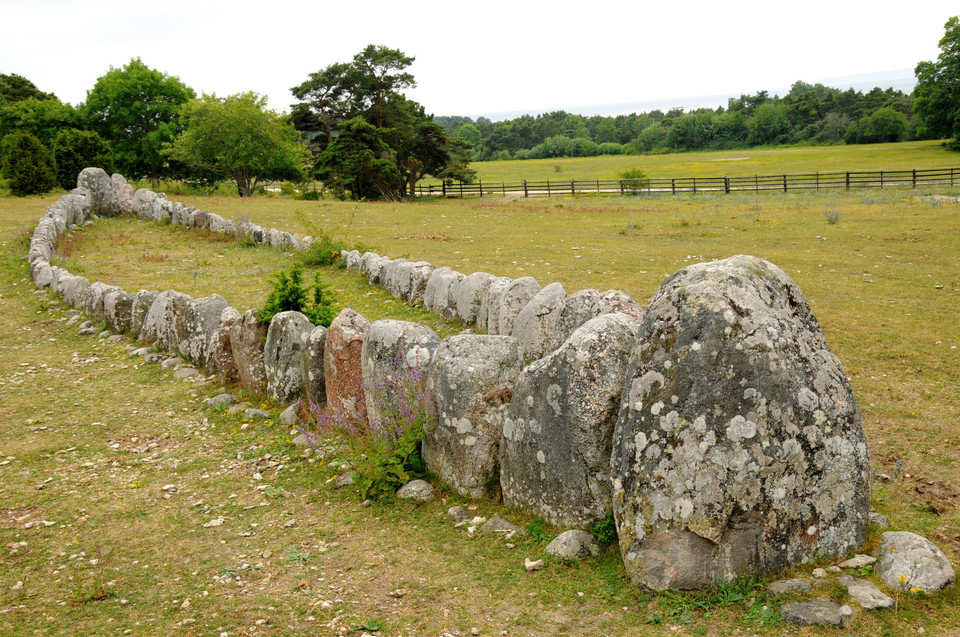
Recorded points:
28,165
310,195
324,251
74,150
290,295
605,531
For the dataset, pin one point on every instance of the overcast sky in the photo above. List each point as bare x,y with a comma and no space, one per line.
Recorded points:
477,58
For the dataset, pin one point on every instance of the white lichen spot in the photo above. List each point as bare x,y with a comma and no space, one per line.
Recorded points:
541,457
741,429
470,441
641,441
684,508
508,428
669,422
812,531
667,364
553,398
729,317
807,400
529,401
695,346
463,425
778,493
656,408
674,399
819,418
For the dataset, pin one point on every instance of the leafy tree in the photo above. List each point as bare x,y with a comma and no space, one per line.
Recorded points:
768,125
470,134
74,150
238,138
606,131
886,125
28,165
691,132
359,161
937,93
137,110
43,118
14,88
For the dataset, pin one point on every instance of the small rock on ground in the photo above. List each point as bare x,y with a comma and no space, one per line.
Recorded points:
786,586
573,545
186,372
458,514
416,491
253,414
497,524
879,520
531,566
921,565
220,401
291,415
858,561
345,479
865,593
821,612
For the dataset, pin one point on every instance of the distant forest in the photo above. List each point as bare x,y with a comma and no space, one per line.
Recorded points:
808,114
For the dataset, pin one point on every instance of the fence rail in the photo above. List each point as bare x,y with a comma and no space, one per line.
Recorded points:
683,185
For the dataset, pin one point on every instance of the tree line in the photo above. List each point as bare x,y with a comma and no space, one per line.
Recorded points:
355,130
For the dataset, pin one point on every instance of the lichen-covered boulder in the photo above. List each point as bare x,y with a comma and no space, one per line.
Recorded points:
515,297
142,204
93,302
117,310
469,295
246,340
283,355
75,291
375,267
411,280
142,301
437,297
555,453
97,183
223,362
119,199
616,301
342,371
580,307
395,357
202,331
351,259
313,383
472,378
535,327
739,447
44,274
167,320
488,315
910,562
363,266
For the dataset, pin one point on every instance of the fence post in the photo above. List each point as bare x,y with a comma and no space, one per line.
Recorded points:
444,188
480,182
951,176
694,185
673,186
848,180
598,186
818,181
548,188
573,187
784,183
525,193
461,190
881,180
914,178
621,187
726,185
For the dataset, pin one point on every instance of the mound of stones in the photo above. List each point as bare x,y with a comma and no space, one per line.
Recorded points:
715,424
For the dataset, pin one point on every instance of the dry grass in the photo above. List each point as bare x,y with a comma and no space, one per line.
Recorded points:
90,440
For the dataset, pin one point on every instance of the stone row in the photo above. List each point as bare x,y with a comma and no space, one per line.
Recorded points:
715,425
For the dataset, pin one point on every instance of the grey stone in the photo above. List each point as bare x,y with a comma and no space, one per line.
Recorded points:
290,417
345,479
469,293
186,372
573,545
555,452
880,521
315,389
93,304
119,198
458,514
75,290
223,361
220,401
138,311
201,335
247,337
118,310
821,612
351,259
488,315
737,427
167,320
283,355
438,295
580,307
788,586
171,364
416,491
472,379
865,593
375,266
304,440
115,338
921,563
88,331
858,561
44,275
256,414
98,185
535,327
411,281
500,525
142,204
365,259
616,301
515,297
342,369
394,354
533,565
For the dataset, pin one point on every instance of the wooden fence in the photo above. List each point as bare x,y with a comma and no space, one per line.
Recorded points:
685,185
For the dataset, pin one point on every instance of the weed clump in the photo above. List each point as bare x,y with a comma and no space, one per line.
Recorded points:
316,301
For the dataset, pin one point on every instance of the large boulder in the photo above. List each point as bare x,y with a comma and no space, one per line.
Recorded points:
488,315
536,325
342,371
202,333
247,337
119,199
469,295
910,562
739,447
223,362
395,358
93,300
515,297
166,322
411,281
580,307
74,291
313,382
472,378
97,183
555,453
142,301
437,296
117,310
616,301
142,204
283,355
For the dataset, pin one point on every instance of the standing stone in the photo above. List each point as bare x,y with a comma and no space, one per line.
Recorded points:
75,291
283,356
314,387
395,357
488,316
202,333
142,203
739,447
223,361
412,278
555,452
342,371
515,297
119,199
43,276
922,564
97,184
536,325
390,277
617,301
437,297
472,378
166,321
138,311
469,296
246,340
580,307
93,305
117,308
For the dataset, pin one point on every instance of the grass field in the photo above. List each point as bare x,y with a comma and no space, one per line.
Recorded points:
775,161
91,441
